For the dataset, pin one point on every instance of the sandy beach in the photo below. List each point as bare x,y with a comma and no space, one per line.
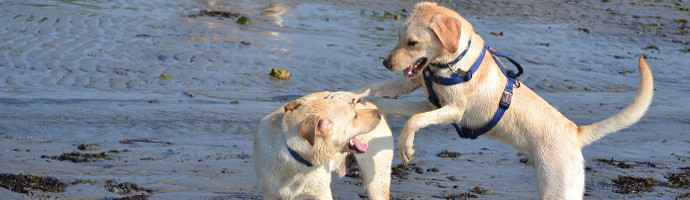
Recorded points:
160,99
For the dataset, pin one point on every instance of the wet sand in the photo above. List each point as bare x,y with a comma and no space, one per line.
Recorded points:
89,74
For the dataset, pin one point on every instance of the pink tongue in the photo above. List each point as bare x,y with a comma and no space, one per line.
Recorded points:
409,71
359,146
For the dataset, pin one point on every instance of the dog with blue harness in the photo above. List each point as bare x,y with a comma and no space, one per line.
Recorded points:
475,92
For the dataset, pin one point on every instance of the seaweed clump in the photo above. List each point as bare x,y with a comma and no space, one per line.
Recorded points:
455,195
215,13
448,154
635,185
679,180
77,157
26,183
122,188
616,163
404,170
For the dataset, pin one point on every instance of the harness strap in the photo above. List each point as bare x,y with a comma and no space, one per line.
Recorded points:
450,64
502,107
299,158
455,78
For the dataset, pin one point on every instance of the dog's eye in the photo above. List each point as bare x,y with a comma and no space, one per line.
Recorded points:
356,115
411,43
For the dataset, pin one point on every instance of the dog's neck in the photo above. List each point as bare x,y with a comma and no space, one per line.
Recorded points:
473,50
297,157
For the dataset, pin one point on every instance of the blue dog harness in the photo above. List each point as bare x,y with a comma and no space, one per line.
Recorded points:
461,76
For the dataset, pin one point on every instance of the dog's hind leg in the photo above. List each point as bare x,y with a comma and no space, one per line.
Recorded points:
560,173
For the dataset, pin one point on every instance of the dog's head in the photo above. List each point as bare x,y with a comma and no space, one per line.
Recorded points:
329,126
431,34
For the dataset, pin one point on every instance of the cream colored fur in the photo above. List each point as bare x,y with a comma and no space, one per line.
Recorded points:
280,176
531,125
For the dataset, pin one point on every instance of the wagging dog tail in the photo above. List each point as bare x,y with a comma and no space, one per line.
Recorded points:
628,116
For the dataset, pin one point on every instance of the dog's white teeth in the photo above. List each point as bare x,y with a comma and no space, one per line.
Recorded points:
352,142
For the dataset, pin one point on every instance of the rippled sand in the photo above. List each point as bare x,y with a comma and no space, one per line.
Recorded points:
89,72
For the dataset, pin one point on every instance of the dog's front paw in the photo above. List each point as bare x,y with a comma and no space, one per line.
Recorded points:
349,97
405,148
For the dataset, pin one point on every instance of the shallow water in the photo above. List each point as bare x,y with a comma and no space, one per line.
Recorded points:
83,72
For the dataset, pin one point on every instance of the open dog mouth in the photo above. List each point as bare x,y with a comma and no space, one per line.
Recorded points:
415,68
358,146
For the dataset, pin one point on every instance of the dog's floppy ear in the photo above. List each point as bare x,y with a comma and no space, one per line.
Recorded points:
312,126
447,29
291,106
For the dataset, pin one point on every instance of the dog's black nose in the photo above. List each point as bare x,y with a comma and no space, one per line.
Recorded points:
387,63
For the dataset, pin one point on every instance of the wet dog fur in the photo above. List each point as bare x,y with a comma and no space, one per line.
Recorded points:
321,131
435,34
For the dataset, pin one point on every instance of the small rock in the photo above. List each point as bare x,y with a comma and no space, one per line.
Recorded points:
189,94
244,21
497,34
165,77
280,73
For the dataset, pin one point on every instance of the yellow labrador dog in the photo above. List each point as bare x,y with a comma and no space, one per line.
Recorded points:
299,146
434,36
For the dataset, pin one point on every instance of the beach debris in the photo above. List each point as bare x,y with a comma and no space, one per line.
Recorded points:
214,13
586,30
650,25
448,154
543,44
280,73
244,21
84,147
616,163
635,185
625,71
433,169
353,173
26,183
497,34
143,35
77,157
679,180
154,101
135,197
454,195
235,102
165,77
122,188
189,94
145,140
684,196
651,47
478,190
404,170
397,17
